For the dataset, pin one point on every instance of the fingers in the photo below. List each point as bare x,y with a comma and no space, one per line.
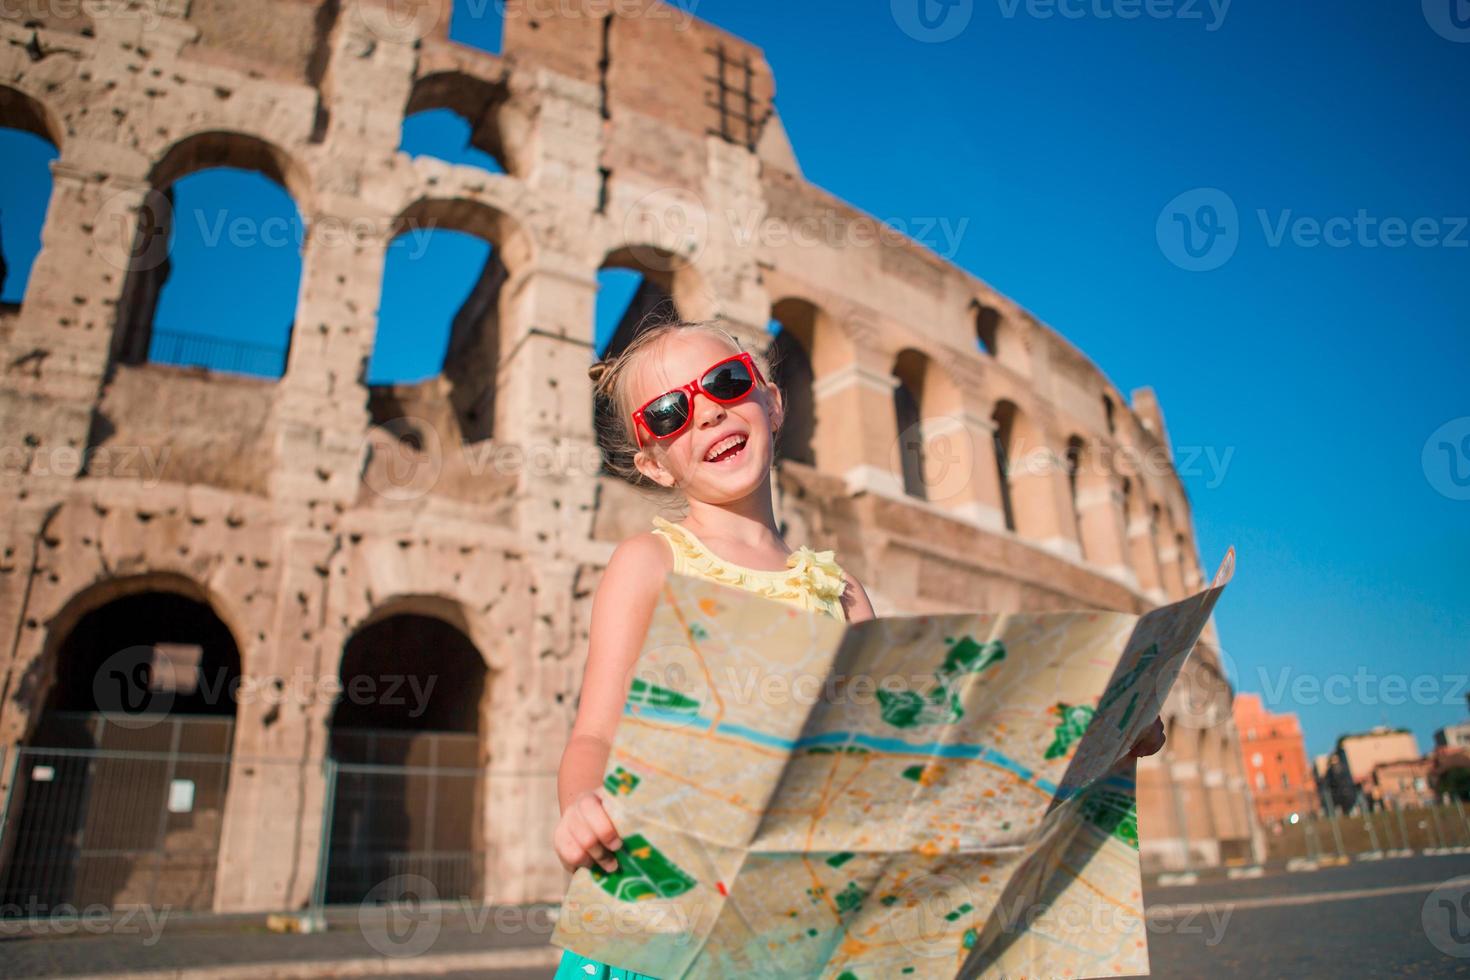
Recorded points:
585,834
599,822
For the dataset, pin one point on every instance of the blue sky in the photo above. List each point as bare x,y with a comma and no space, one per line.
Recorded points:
1303,378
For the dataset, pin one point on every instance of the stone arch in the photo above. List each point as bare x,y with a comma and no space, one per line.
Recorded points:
927,407
796,341
1022,462
142,663
88,600
671,286
22,114
480,103
149,266
472,337
408,739
987,321
19,110
909,368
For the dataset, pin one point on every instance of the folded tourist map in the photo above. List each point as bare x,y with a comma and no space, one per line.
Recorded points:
911,796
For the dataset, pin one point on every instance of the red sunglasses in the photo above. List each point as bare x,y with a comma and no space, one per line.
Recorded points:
725,381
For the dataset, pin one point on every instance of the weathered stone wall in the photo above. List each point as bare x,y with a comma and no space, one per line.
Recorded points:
287,509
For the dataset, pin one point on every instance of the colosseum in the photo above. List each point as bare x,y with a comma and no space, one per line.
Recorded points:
278,632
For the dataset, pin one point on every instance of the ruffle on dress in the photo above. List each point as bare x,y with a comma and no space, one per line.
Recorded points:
818,571
812,579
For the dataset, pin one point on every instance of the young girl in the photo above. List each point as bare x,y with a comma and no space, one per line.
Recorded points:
698,417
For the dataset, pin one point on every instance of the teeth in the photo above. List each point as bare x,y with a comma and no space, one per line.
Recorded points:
722,445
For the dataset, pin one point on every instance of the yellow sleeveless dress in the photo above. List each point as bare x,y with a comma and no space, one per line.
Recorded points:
811,579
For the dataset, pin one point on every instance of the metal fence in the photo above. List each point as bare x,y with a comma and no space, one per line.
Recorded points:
122,816
114,815
1384,830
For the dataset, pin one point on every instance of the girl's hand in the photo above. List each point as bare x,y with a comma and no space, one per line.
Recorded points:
1150,741
585,834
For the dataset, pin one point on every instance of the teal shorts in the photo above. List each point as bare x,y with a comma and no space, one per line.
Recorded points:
577,967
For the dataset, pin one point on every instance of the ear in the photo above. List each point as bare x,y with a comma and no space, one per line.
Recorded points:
650,466
778,406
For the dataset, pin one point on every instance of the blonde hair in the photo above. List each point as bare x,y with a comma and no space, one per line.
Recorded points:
612,379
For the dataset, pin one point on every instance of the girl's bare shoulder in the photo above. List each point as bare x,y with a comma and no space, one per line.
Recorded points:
639,563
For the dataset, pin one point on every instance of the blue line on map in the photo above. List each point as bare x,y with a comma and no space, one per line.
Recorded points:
881,744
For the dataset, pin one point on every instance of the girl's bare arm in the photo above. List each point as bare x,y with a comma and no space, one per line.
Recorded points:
621,610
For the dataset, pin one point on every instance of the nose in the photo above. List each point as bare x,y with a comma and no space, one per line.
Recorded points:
707,411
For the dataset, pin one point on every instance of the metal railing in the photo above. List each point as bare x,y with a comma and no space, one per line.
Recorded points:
85,827
102,814
216,353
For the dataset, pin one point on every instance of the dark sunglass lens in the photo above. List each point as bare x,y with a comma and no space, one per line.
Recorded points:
728,380
666,414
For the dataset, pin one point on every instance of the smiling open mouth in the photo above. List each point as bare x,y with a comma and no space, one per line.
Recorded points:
726,450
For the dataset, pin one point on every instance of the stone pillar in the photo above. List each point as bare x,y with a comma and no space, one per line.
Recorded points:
270,843
1173,582
543,406
320,416
1145,555
1040,498
58,350
859,427
1101,523
959,468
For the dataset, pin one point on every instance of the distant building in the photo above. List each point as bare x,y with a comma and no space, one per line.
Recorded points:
1352,778
1400,784
1282,784
1454,736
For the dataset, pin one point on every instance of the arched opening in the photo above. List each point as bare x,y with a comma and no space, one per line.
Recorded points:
987,327
1109,415
445,135
1075,449
1130,506
1004,433
1181,551
440,313
793,330
455,117
215,268
119,793
908,396
28,151
406,747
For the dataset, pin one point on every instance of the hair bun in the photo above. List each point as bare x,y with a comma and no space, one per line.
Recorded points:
597,370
